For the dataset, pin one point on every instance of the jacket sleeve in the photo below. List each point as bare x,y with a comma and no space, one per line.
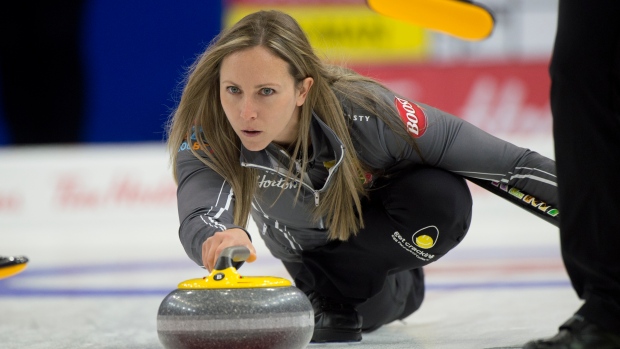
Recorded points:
205,202
453,144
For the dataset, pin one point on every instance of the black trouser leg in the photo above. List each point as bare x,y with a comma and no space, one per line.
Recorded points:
585,100
410,221
402,294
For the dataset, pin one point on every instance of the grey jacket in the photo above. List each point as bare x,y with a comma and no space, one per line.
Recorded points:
205,199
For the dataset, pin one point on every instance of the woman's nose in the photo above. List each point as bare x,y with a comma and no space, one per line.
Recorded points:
248,109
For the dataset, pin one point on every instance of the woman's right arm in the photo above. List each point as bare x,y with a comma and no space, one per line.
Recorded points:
205,203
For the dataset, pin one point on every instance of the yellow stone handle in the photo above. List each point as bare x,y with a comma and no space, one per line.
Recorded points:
224,275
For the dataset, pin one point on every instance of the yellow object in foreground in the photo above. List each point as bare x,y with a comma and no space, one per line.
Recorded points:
462,19
10,266
230,278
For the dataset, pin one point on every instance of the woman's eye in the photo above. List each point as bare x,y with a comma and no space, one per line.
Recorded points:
267,91
233,89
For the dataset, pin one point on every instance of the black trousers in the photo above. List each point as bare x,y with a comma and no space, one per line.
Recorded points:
411,220
585,102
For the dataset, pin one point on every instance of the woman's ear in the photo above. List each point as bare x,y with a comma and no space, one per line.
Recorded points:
304,88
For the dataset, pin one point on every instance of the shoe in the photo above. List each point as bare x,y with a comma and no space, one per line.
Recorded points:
333,321
578,333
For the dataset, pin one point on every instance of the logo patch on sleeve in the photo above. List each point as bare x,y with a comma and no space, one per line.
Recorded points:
412,115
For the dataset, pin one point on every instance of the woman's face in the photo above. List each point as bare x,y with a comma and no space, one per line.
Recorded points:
260,97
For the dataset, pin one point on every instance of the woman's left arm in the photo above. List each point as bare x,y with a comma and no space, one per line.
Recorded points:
451,143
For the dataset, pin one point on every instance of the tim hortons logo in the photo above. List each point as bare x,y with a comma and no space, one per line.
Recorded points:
412,116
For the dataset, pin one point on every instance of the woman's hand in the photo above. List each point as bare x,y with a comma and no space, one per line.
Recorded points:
214,245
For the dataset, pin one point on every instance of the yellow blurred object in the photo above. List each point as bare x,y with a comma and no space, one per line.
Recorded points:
350,33
10,266
230,278
462,19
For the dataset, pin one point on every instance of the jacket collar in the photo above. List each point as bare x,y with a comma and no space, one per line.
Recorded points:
274,157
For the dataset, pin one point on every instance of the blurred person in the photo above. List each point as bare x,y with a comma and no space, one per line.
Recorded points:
41,70
352,186
585,102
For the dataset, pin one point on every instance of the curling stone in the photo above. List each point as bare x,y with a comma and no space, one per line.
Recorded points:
10,266
227,310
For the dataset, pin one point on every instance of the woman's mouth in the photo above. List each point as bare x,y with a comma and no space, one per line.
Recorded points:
251,133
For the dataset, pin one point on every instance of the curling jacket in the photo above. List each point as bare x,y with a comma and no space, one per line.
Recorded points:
206,200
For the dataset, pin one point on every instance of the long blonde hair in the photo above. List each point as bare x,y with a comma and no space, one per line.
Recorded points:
200,109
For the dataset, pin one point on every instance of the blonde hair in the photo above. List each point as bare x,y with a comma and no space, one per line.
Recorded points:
200,109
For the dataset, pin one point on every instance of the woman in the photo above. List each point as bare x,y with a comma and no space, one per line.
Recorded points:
352,187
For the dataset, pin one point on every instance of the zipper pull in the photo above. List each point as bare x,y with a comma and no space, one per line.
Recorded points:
316,198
